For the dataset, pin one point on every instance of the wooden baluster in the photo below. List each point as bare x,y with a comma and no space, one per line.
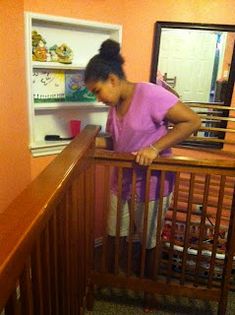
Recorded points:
202,230
12,306
158,250
86,210
106,196
132,206
173,226
26,290
61,258
90,202
89,212
53,246
75,254
87,192
45,263
67,250
80,238
118,221
37,279
145,225
187,229
216,230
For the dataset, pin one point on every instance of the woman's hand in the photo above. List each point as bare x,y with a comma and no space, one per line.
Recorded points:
146,156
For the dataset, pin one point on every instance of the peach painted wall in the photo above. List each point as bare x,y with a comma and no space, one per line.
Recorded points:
14,154
137,18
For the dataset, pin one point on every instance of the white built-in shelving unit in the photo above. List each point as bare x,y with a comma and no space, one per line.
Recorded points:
52,117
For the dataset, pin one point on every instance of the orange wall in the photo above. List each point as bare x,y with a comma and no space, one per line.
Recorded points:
137,18
14,154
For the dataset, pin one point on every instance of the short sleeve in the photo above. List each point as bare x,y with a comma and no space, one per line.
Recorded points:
161,101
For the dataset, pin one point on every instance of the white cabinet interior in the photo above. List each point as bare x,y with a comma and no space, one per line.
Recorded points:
49,82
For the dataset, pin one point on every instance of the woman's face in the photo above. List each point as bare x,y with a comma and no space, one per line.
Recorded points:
107,91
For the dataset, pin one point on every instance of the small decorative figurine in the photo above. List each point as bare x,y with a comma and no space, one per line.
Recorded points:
53,55
65,54
39,50
62,53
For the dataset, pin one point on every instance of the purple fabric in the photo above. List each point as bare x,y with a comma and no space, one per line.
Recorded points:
141,126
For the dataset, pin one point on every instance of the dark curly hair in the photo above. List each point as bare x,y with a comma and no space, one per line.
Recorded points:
109,60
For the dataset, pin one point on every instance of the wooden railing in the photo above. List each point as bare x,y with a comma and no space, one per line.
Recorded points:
195,245
217,128
45,237
47,233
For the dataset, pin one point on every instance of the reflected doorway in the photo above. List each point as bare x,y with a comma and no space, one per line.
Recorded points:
195,58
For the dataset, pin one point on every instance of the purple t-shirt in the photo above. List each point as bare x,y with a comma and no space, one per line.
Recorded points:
142,125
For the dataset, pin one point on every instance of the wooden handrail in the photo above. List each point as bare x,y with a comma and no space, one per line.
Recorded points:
22,222
174,160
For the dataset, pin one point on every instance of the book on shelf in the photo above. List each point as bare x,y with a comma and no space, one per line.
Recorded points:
60,86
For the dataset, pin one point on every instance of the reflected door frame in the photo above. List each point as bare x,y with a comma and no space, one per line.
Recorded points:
192,67
159,25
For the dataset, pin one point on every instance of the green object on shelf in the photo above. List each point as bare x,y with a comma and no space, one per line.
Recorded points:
80,95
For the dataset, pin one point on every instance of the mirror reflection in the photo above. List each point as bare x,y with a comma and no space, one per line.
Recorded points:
197,61
193,60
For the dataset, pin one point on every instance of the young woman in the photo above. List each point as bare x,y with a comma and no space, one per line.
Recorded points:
138,121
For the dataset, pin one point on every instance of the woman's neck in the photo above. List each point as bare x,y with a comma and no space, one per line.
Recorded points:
127,92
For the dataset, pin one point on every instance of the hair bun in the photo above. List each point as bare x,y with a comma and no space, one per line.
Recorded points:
110,49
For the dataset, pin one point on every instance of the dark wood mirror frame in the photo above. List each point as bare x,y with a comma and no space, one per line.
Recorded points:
197,26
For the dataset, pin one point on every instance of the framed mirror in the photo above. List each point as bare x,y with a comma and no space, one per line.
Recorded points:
198,62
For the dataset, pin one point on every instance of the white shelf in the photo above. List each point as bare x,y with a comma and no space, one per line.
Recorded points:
47,147
57,65
84,38
82,106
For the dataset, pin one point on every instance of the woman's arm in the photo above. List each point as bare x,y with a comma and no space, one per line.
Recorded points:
185,123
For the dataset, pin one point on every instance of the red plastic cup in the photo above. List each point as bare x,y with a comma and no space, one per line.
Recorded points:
75,126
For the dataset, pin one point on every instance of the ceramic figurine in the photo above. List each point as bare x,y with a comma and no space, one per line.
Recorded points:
53,55
65,54
39,50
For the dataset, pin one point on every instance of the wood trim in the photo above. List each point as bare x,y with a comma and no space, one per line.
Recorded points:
174,160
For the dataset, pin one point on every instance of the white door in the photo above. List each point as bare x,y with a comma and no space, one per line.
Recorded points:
188,55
